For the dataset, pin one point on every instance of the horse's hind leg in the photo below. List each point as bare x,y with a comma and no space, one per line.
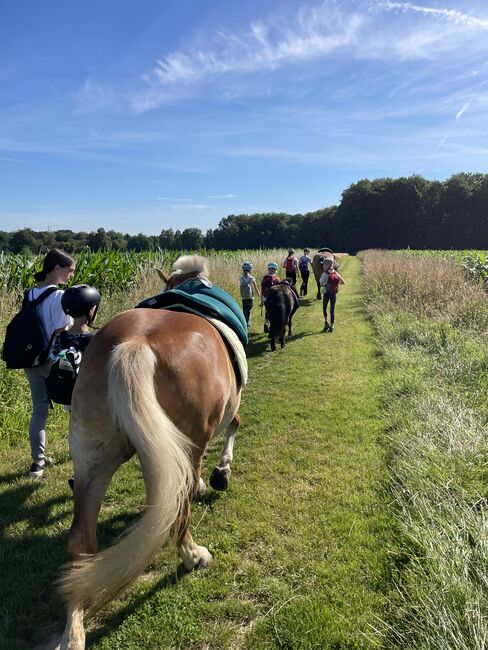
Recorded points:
93,477
219,478
192,555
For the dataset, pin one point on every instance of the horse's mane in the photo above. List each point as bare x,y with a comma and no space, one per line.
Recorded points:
191,264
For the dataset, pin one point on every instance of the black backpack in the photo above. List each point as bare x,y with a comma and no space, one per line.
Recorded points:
62,376
24,345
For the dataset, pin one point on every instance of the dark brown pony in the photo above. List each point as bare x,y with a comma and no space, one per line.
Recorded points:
160,384
317,268
281,304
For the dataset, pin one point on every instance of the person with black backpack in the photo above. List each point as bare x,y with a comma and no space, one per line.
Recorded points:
43,305
81,303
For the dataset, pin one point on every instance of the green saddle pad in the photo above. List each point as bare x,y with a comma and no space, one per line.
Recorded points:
196,297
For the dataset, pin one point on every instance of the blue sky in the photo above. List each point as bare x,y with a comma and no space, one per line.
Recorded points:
139,116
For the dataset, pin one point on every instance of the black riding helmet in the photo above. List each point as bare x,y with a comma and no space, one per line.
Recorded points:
78,301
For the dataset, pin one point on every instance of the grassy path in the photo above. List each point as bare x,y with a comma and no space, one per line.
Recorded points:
300,542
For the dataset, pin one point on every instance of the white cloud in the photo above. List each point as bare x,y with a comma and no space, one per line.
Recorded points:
267,44
461,112
323,31
441,143
192,206
165,198
223,196
451,15
14,160
93,96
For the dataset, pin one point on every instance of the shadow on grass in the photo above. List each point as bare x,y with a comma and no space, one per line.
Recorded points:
32,554
30,560
117,619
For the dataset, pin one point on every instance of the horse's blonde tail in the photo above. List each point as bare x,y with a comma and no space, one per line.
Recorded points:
164,455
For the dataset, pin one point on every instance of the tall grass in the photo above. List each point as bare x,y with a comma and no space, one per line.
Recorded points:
431,323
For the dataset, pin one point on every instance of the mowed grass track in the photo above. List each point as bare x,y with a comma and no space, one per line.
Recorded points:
301,541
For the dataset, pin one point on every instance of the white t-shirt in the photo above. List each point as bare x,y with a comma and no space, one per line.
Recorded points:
50,311
247,291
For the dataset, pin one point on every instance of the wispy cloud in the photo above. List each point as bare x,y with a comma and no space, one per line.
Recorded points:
166,198
312,33
14,160
461,112
223,196
192,206
93,96
441,143
451,15
266,45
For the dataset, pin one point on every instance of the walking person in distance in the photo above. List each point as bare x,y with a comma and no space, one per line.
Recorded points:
303,264
290,264
248,287
329,283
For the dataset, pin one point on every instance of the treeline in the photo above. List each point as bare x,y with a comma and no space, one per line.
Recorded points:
384,213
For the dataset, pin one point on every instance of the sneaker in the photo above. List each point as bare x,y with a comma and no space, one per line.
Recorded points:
266,326
331,328
326,327
71,482
38,467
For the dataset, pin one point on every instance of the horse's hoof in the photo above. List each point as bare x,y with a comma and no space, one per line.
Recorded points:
201,489
219,479
204,559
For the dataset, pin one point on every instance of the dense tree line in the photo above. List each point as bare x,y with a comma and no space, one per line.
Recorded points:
384,213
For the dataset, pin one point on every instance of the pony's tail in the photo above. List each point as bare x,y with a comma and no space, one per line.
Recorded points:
168,475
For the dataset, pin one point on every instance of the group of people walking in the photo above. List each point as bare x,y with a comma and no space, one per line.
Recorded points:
294,267
66,317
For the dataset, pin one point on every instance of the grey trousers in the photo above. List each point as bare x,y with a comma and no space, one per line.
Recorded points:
40,409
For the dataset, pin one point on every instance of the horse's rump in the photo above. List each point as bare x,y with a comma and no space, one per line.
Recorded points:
192,364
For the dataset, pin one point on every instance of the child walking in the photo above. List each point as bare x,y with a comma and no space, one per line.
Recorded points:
269,279
303,264
329,282
290,264
57,268
81,302
248,287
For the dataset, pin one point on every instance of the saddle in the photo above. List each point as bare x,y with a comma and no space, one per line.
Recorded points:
204,299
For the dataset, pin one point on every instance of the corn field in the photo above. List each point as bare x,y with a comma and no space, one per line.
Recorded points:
114,271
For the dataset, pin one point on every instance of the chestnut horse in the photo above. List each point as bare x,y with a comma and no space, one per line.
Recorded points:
281,304
160,384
